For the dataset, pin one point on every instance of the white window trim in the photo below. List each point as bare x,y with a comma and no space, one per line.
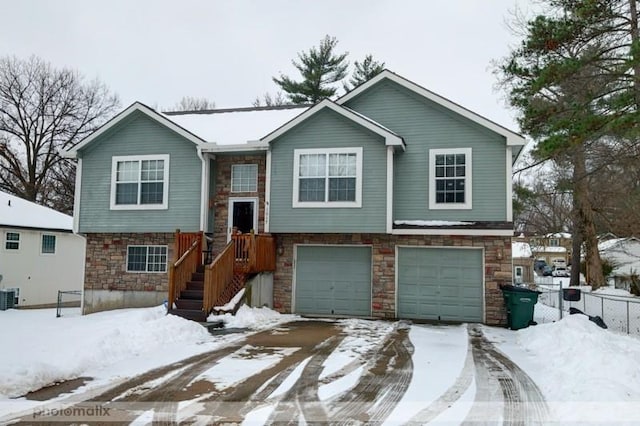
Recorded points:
165,188
327,204
126,265
468,185
256,182
55,247
4,245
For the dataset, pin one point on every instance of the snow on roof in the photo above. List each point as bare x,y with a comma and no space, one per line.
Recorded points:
520,249
15,211
432,222
549,249
619,243
559,235
235,126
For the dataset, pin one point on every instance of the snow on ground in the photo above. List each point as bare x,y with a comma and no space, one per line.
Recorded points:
438,359
253,318
106,346
586,373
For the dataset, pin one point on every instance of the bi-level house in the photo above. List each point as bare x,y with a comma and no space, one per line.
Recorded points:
390,202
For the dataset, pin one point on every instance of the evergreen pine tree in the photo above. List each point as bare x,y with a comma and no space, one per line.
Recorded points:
320,68
365,70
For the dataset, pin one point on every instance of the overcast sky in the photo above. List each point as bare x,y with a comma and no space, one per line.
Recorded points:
158,51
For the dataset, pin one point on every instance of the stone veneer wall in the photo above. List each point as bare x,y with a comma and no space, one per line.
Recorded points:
108,285
223,192
497,263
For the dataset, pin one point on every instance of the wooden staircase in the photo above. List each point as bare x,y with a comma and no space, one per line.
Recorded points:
189,302
196,289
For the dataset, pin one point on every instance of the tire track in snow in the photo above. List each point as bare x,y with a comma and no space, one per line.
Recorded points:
381,386
450,396
500,380
302,402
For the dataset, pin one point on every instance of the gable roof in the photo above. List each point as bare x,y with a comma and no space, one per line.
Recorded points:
391,138
136,106
512,138
19,213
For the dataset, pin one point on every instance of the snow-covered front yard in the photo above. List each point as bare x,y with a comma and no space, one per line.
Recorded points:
586,374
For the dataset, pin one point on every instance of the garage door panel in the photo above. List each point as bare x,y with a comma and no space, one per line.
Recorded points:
440,284
339,276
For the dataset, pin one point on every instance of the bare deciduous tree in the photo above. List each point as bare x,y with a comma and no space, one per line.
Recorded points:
269,100
190,103
44,110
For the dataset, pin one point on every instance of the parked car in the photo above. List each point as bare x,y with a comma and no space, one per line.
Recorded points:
539,264
547,271
559,262
560,271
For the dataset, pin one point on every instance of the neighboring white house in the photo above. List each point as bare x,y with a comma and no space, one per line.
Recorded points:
39,254
625,255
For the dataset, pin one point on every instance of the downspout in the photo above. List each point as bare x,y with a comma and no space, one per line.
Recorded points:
203,189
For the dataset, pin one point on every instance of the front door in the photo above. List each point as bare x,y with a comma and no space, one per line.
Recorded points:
243,215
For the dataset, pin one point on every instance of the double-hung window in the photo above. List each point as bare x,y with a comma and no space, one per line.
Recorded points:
140,182
12,241
450,178
327,177
146,258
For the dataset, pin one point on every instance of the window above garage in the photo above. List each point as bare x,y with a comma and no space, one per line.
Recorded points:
450,179
328,177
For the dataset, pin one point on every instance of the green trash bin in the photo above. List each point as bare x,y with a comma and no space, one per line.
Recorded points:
520,303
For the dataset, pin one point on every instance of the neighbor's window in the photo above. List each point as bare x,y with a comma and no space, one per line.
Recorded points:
12,241
554,242
48,245
327,177
140,182
244,178
146,258
450,178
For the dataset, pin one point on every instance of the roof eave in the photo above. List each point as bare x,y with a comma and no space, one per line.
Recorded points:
136,106
512,137
390,138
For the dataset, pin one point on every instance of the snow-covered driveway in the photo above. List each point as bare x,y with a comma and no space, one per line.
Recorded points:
138,365
324,371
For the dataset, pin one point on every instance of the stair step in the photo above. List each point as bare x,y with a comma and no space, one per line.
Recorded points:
192,294
190,314
200,269
193,304
195,285
197,276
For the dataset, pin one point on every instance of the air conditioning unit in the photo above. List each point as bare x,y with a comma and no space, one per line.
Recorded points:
7,299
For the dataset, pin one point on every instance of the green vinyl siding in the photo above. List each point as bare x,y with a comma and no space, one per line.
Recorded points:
140,135
327,129
333,280
425,125
440,284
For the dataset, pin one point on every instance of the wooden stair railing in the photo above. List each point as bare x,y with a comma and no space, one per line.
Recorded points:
254,253
188,249
217,276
